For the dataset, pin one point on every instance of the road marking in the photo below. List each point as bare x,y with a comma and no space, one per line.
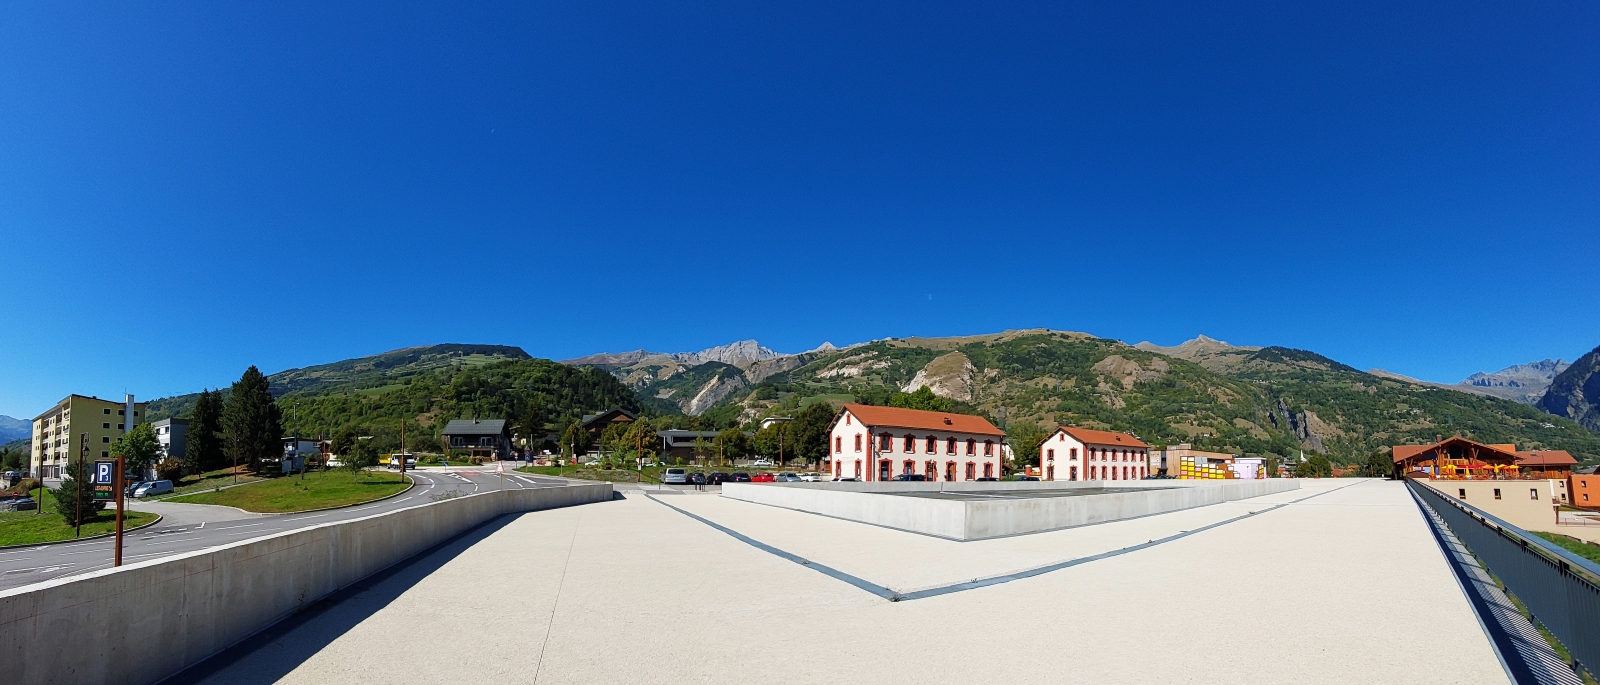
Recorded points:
42,569
247,525
202,525
302,518
167,540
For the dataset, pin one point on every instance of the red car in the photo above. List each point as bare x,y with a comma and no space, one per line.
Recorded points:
762,478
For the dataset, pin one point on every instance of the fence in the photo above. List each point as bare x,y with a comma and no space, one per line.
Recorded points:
1560,589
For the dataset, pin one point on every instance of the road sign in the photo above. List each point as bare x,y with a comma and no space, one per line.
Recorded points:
105,478
499,468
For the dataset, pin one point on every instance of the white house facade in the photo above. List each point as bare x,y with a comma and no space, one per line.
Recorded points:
1082,454
880,443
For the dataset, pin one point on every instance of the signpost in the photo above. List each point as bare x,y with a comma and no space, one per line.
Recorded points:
104,480
116,559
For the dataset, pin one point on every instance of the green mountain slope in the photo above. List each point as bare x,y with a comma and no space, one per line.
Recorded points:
364,373
1264,401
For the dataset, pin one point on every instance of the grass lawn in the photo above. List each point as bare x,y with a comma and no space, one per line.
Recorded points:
1587,550
318,490
207,481
32,527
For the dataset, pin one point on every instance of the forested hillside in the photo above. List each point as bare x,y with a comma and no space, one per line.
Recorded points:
529,392
1271,401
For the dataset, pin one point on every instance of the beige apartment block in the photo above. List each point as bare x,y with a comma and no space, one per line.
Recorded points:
58,433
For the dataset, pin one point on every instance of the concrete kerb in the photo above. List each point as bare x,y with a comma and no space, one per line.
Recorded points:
125,531
205,601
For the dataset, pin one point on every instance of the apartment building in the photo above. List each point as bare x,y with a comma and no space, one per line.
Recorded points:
58,433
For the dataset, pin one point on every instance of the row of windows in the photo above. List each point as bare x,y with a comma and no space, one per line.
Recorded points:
1101,472
909,445
1101,455
931,470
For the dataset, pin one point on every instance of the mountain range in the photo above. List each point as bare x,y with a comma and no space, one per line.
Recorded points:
1575,392
1263,400
14,429
1204,391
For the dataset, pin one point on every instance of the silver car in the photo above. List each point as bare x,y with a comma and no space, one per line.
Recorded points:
675,477
786,477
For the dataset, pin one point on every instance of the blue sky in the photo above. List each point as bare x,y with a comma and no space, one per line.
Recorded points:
190,188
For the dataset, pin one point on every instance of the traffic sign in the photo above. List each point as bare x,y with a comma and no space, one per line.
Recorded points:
105,479
499,468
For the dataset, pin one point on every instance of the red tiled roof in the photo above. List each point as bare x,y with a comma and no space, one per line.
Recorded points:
1546,458
895,417
1404,452
1093,437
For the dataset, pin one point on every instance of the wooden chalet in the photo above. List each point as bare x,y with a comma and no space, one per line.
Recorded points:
1458,458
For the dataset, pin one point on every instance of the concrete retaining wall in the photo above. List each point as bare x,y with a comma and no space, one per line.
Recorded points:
978,519
143,622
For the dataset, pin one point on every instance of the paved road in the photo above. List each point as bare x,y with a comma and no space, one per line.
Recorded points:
188,527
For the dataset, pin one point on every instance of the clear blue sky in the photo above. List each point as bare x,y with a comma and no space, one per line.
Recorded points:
189,188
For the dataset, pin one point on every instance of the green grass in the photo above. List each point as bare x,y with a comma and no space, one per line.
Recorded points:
318,490
206,481
1587,550
32,527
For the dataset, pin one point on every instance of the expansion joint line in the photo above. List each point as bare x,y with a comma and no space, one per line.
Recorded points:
549,626
895,596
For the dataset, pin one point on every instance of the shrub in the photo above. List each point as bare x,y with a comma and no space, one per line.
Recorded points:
169,469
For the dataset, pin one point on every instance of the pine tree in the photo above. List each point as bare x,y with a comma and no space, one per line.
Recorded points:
203,449
67,496
252,425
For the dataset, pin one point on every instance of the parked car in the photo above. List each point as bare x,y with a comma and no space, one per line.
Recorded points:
411,462
18,504
128,491
675,477
592,462
739,477
697,478
811,477
716,478
847,479
761,462
155,487
914,477
988,479
763,478
1027,478
786,477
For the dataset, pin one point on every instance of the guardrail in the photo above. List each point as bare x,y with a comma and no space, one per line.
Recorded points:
1560,589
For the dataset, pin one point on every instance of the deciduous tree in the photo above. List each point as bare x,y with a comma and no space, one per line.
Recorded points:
809,430
139,449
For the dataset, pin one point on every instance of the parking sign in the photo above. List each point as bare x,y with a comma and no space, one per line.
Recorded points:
105,480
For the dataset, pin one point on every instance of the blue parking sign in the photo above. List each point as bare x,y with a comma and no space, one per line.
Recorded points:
105,480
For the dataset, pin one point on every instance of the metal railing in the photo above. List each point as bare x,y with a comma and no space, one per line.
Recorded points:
1560,589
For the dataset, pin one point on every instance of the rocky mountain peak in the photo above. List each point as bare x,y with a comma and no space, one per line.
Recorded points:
742,354
1575,392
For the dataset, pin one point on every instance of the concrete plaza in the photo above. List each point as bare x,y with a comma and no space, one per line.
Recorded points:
1341,583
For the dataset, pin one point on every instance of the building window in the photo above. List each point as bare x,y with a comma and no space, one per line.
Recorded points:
836,468
108,412
1050,455
1463,492
972,447
105,439
858,468
105,455
972,470
1072,454
838,445
885,443
106,426
1072,473
1497,493
907,467
950,472
122,412
931,470
988,448
1585,496
911,445
988,470
1532,494
932,445
846,419
950,446
858,442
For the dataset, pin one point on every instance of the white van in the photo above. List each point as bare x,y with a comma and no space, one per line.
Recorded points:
155,487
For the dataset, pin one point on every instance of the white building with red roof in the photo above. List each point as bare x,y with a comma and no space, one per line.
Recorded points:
1073,453
879,443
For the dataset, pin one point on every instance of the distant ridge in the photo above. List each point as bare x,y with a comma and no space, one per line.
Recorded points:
14,429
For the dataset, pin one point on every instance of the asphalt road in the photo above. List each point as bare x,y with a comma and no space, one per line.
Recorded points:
188,527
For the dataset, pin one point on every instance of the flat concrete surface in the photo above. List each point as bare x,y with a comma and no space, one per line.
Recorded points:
188,527
1343,584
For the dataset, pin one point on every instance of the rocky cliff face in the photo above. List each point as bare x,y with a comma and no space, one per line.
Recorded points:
1524,383
949,375
1575,392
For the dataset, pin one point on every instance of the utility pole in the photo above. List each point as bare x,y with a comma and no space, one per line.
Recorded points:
77,501
116,559
235,461
402,448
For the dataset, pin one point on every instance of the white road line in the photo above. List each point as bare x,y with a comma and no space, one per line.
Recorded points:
51,567
302,518
165,541
247,525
